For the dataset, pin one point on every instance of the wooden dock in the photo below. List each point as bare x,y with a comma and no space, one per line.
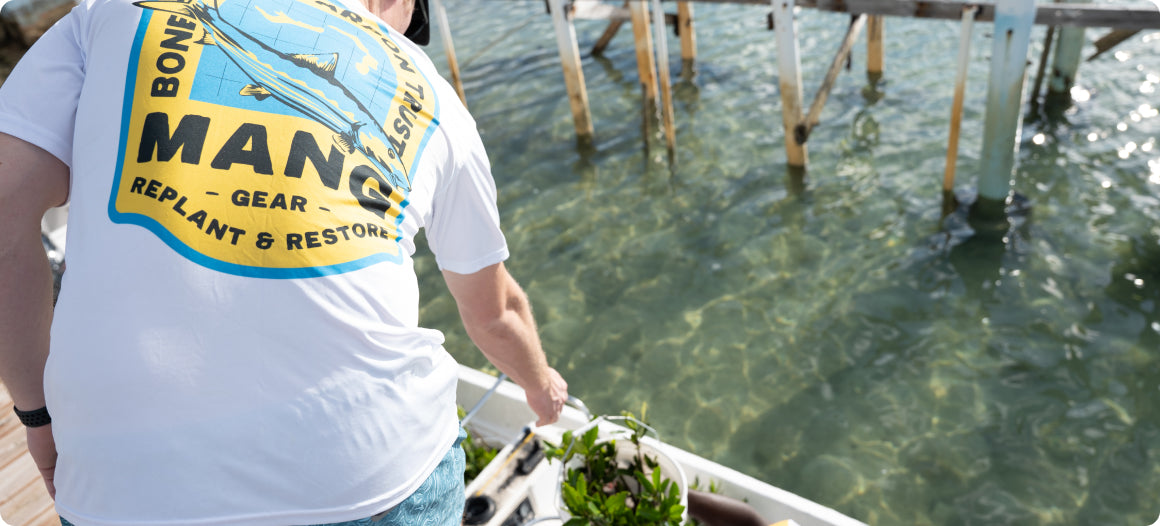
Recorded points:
23,499
1014,19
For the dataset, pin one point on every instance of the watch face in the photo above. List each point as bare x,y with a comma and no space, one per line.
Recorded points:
420,29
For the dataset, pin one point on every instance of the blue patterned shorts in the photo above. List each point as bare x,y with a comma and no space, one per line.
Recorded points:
437,502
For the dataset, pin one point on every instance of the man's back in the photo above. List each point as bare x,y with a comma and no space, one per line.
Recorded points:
237,336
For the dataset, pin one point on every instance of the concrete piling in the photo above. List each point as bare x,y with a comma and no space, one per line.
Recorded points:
1068,50
1003,119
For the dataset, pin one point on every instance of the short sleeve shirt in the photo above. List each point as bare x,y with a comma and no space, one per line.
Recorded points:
237,336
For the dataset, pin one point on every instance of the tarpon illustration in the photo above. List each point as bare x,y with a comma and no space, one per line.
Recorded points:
305,83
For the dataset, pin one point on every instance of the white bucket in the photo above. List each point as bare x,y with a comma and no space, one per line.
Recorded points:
625,452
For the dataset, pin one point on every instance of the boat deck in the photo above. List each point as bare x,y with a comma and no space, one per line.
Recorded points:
23,498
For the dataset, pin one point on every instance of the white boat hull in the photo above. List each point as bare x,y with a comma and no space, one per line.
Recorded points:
505,416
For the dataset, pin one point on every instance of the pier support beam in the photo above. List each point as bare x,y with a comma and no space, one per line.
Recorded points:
1068,49
449,46
1112,39
949,202
662,48
803,129
789,73
1039,72
614,24
573,74
875,53
687,32
645,65
1004,113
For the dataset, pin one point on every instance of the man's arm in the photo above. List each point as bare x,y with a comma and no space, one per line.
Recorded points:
498,318
31,182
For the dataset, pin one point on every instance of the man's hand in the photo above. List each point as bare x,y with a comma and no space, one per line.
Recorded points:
549,402
42,447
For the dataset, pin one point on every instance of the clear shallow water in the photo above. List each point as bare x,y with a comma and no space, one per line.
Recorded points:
838,342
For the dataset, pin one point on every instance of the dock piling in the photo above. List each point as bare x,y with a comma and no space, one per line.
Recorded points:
950,203
662,50
1110,40
875,51
609,32
803,129
642,37
449,47
789,80
1041,70
687,32
1003,119
1064,66
573,74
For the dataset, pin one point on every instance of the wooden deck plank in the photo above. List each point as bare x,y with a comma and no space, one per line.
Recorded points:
46,518
24,501
16,478
12,440
29,506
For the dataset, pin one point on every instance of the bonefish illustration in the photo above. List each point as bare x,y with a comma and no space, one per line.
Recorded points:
302,82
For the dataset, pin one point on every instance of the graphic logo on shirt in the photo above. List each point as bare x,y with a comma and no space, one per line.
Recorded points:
270,138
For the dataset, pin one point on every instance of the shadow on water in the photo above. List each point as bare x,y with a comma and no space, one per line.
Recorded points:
873,91
978,244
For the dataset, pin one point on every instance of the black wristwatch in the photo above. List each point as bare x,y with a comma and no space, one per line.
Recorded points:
34,418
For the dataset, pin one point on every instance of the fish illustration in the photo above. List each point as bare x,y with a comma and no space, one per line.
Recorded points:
305,83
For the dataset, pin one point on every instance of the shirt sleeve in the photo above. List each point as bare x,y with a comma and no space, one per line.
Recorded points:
38,101
464,231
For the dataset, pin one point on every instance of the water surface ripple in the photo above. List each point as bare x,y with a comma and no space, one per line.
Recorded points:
838,342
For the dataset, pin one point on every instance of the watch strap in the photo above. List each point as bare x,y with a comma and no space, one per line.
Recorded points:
34,418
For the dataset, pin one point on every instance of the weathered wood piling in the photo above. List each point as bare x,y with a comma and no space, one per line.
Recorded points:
449,48
950,203
687,32
573,73
789,78
666,86
875,50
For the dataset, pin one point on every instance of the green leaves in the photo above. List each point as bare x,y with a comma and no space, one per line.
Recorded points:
477,453
600,490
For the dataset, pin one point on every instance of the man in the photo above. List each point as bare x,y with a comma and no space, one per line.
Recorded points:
237,340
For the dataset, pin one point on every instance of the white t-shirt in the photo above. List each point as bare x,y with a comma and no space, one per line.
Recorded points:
236,340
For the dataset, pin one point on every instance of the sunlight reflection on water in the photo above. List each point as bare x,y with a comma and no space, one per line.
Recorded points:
837,342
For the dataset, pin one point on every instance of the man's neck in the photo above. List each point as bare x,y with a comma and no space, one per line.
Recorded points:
396,13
